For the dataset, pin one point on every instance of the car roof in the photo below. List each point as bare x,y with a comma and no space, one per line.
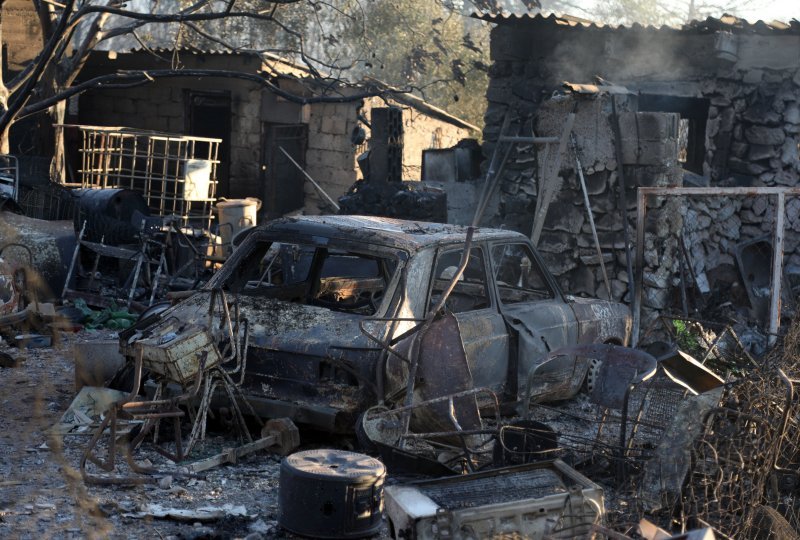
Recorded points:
402,234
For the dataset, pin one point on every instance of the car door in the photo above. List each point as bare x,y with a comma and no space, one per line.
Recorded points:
483,331
533,308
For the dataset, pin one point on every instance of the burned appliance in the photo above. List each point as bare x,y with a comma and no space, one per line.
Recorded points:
543,500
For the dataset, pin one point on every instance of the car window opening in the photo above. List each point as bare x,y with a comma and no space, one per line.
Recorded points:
336,279
470,293
519,277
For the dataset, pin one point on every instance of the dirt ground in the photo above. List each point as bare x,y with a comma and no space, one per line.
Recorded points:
43,496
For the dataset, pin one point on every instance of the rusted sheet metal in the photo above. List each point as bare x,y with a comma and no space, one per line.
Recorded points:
561,374
690,373
620,367
600,321
443,371
180,353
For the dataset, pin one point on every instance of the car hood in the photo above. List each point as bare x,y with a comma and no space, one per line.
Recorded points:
274,324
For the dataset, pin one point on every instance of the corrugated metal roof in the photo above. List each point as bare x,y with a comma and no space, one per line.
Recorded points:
279,66
727,23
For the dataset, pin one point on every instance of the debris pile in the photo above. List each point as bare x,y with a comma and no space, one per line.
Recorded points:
402,200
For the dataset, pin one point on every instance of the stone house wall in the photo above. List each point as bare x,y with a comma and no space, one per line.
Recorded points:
333,125
748,132
330,154
161,106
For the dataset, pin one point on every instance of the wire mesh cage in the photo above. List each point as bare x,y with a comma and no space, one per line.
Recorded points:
176,174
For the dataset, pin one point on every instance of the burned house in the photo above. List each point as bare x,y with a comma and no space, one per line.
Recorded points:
255,121
713,103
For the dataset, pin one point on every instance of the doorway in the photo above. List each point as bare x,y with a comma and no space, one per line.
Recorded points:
283,182
208,114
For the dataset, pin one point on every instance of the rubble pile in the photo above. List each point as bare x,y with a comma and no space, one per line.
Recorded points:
406,200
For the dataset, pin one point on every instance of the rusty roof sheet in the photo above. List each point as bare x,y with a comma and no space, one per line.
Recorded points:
726,23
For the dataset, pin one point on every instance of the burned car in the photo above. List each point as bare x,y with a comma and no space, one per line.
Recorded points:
313,298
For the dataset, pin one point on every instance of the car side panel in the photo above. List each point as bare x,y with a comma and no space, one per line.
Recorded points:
485,340
541,327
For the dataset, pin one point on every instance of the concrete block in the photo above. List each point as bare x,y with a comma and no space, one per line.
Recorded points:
124,105
643,152
326,141
334,125
649,126
169,110
175,125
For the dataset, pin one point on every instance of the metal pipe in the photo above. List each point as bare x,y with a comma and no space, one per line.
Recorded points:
777,270
591,216
720,191
319,188
536,140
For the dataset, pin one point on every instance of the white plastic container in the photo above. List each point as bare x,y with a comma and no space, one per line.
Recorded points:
197,175
236,215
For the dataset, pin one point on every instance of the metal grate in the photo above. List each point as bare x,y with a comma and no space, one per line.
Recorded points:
176,174
475,492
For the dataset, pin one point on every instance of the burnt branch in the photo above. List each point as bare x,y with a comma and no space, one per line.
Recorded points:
131,79
21,98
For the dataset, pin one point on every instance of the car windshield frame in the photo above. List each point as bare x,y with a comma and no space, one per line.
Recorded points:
393,278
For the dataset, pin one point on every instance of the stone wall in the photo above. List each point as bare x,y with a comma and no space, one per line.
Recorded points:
566,243
162,106
331,156
330,153
752,132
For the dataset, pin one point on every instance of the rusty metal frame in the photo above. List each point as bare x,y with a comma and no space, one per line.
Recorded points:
777,248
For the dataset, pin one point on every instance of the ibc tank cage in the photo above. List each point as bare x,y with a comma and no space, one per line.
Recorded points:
176,174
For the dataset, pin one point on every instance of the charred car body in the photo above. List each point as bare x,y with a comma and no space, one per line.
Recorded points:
304,292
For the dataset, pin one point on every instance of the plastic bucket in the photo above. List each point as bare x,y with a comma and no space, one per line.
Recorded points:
236,215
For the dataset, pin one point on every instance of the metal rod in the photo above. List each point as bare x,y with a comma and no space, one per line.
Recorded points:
591,216
777,270
72,262
550,184
720,191
319,188
535,140
493,172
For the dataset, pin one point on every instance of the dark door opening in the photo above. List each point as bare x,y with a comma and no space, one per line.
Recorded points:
283,182
208,114
692,135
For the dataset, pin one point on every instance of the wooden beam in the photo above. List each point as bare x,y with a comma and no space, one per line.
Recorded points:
777,270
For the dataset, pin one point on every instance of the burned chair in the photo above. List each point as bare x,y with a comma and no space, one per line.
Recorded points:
199,359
